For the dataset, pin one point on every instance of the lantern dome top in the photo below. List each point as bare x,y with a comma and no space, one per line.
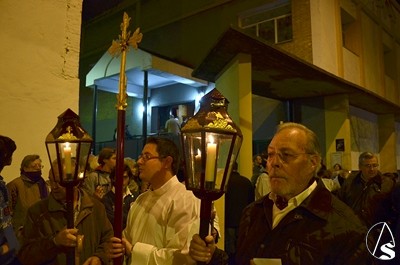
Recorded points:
214,97
212,116
68,128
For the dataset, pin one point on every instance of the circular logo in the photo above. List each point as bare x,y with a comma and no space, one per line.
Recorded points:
380,242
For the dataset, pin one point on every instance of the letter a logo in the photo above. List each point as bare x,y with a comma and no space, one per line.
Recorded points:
380,242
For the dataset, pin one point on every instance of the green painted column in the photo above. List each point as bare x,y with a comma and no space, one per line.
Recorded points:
337,130
387,143
234,83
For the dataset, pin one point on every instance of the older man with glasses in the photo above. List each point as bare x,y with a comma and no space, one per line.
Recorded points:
368,191
27,189
299,221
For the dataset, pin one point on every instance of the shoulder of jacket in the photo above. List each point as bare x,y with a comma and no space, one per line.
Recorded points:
15,181
40,207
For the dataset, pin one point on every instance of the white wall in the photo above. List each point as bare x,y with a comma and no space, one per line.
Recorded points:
39,53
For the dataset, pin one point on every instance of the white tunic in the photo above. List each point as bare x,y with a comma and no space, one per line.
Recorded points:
161,224
262,186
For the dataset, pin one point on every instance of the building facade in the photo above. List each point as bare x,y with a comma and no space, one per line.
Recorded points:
332,65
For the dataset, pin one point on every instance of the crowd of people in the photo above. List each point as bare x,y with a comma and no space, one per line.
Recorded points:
291,209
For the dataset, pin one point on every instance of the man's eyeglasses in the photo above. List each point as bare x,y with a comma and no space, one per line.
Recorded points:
284,157
37,166
371,165
147,157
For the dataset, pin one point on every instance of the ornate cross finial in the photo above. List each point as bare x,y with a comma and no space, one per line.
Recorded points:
121,46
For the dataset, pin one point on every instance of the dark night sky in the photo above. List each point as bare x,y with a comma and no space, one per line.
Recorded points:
93,8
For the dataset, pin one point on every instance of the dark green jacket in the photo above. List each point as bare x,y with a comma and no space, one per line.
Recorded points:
369,200
47,217
322,230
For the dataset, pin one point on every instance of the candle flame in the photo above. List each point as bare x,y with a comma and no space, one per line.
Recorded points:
211,139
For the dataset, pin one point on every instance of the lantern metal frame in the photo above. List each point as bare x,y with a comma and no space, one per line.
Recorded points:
208,164
68,146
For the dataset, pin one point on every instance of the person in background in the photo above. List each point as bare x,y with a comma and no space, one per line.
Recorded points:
368,191
115,134
98,182
339,174
336,167
45,238
300,221
172,125
262,186
8,240
239,194
257,168
128,134
27,189
128,198
396,222
134,183
325,176
162,220
323,171
92,164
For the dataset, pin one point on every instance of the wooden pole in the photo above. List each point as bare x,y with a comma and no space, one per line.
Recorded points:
205,218
70,219
121,47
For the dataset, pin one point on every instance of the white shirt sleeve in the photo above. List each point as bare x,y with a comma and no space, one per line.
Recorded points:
262,186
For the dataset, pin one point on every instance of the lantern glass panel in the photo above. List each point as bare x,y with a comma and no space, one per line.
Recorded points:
52,152
84,152
192,152
237,143
209,163
69,159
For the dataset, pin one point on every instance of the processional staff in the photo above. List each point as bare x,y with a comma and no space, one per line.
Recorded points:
121,47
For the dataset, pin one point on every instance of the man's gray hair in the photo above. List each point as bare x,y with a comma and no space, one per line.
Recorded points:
365,156
312,145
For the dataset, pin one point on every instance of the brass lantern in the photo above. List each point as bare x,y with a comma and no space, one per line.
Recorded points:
68,146
211,142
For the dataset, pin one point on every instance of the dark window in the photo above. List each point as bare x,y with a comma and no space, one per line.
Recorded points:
273,23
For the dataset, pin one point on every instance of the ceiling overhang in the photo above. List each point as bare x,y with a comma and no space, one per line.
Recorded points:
279,75
160,73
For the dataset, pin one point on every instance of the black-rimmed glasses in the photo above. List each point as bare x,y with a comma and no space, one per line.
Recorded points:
284,157
147,157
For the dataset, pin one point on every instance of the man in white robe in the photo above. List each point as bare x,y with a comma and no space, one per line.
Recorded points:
161,221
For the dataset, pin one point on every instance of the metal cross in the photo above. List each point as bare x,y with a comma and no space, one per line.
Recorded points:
121,46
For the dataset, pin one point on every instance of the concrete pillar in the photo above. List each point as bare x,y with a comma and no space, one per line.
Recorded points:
337,124
235,84
387,143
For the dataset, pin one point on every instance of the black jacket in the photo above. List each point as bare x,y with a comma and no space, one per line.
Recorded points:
239,194
321,230
369,200
109,203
